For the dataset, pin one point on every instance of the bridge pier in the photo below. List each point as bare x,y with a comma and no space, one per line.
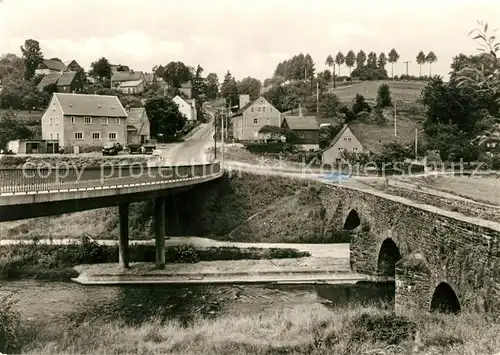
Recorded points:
159,226
123,246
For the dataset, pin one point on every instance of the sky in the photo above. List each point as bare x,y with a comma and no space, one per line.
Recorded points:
248,38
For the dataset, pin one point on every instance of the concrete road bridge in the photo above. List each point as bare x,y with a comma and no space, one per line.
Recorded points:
37,192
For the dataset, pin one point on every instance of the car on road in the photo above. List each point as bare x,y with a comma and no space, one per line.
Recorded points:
111,148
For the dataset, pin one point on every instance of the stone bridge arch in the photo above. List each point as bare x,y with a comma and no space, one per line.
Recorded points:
444,299
388,256
352,222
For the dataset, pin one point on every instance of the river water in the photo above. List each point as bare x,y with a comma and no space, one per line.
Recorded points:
45,301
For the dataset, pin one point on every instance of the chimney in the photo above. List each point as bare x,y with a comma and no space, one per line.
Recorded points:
244,99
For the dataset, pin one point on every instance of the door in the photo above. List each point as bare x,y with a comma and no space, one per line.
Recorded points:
143,139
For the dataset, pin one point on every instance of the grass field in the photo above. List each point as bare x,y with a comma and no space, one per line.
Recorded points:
285,329
400,90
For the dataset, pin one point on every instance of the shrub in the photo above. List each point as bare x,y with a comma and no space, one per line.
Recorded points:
360,104
389,328
384,96
184,253
10,327
363,115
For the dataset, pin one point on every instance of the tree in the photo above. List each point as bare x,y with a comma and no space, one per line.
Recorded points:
372,60
382,61
165,118
339,60
326,135
486,79
100,69
14,90
359,104
327,75
12,128
33,57
330,62
360,59
212,86
329,105
199,89
431,58
273,132
229,89
350,59
250,86
421,61
384,96
158,71
176,74
11,66
393,58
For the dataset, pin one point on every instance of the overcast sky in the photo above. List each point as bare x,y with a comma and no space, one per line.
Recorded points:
246,37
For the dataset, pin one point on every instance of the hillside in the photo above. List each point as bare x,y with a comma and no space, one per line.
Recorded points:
400,90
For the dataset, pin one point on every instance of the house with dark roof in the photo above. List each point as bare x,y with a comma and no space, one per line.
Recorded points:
84,120
138,128
307,129
72,65
65,82
346,141
132,87
49,66
252,116
128,80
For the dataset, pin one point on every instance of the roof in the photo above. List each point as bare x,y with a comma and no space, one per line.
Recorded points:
337,137
244,108
48,79
131,83
54,64
126,76
137,119
302,123
187,85
66,78
90,105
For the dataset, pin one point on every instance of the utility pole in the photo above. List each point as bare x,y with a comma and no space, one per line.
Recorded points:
395,125
334,76
407,62
416,144
317,97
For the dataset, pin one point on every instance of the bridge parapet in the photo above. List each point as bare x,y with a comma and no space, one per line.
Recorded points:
14,181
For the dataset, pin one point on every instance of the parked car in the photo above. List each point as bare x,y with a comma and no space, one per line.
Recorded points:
111,148
134,148
148,148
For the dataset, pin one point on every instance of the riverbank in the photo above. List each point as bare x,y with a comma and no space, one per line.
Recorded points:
301,329
45,261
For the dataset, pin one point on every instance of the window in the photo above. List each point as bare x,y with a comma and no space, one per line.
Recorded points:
259,109
53,106
117,121
255,121
355,149
51,136
88,120
264,109
73,120
57,135
57,120
79,136
96,136
104,120
270,109
112,136
252,109
267,120
50,121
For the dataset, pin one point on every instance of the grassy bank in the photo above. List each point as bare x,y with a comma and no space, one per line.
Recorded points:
55,262
301,329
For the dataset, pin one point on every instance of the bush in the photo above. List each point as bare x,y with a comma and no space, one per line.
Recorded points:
184,253
384,96
360,104
363,115
10,327
389,328
271,147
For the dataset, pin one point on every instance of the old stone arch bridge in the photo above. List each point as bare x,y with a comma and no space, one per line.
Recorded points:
441,260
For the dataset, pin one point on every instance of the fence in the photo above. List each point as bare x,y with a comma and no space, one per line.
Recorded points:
15,180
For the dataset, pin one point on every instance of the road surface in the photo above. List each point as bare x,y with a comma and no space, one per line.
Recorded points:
193,149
